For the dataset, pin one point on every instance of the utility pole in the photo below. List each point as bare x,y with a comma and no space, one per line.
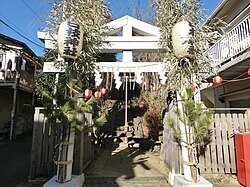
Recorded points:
14,116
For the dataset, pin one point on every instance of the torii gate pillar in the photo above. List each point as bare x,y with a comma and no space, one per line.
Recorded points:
127,55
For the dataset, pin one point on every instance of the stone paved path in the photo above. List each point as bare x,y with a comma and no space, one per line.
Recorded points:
121,166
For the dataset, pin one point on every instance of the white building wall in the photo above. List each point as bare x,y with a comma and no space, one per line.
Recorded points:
9,55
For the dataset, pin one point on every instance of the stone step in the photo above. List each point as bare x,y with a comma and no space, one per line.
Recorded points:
122,133
151,181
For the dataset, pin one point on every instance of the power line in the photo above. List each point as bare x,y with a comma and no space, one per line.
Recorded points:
21,34
13,24
2,31
29,7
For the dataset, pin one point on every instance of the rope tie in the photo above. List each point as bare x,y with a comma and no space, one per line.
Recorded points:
190,163
65,162
189,146
64,143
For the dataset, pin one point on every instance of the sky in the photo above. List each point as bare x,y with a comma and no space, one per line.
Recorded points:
21,19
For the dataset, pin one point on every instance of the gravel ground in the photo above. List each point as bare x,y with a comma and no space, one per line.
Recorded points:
222,180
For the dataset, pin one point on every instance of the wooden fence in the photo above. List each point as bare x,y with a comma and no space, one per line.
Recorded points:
171,150
83,149
44,149
219,155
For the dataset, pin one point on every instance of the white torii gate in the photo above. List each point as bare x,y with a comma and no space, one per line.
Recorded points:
120,38
146,42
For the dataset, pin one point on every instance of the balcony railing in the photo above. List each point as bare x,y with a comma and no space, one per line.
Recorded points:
233,43
26,79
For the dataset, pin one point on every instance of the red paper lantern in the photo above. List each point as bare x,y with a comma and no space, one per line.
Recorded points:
88,93
98,94
103,91
248,72
217,79
155,88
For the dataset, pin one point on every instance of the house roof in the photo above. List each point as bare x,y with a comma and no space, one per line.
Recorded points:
11,41
230,11
8,42
216,10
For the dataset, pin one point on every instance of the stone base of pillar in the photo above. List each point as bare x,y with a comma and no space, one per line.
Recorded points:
76,181
179,181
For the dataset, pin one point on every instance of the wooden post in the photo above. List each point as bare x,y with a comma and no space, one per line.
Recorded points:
126,110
